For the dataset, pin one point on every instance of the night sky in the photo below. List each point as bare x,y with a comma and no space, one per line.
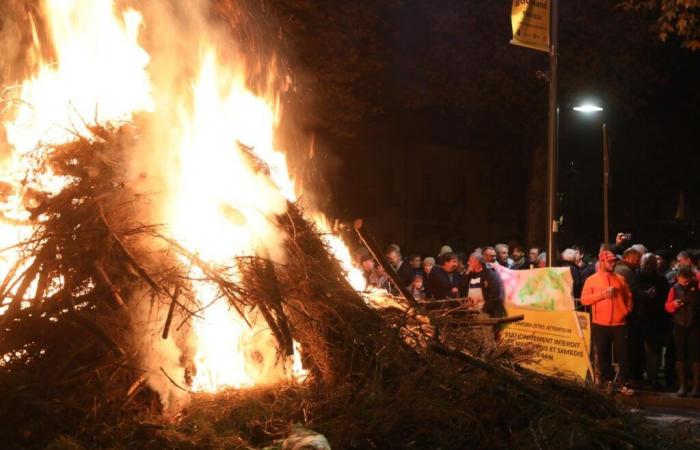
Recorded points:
398,85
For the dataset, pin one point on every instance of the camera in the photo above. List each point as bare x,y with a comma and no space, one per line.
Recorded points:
627,236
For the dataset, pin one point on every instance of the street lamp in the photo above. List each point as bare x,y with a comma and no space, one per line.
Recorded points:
588,108
591,108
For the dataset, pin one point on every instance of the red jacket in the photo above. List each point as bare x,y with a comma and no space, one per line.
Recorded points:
687,314
607,311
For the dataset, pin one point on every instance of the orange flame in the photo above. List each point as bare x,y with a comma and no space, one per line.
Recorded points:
214,202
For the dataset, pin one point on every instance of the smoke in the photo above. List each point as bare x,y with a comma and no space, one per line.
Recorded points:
161,358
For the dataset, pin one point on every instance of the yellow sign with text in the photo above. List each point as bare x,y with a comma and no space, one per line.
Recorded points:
530,22
562,344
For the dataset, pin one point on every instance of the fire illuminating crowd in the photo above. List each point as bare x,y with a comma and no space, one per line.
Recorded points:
644,306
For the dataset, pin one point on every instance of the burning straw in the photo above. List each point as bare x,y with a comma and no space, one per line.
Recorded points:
75,362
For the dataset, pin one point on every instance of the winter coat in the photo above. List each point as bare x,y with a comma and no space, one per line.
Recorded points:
440,284
406,276
688,313
607,311
652,303
576,277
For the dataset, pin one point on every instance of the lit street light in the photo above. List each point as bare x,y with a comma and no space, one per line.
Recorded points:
590,108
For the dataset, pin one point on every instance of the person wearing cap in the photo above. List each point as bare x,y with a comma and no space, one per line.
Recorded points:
445,249
611,302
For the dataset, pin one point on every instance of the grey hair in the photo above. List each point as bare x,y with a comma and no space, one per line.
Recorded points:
568,255
641,248
501,246
478,256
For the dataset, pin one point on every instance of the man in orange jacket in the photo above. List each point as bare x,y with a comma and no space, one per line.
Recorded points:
611,302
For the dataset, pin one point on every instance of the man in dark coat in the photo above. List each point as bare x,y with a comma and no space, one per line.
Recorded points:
628,268
656,323
403,270
443,281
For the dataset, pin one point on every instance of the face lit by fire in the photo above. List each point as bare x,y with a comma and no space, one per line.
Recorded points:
428,264
490,255
394,257
450,265
475,264
606,261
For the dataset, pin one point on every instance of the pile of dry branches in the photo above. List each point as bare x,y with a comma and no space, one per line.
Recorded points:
72,374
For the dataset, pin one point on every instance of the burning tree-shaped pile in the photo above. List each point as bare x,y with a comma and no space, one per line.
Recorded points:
146,251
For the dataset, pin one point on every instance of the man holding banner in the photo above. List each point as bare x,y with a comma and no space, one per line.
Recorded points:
611,302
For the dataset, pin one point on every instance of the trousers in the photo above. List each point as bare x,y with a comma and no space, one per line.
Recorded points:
608,341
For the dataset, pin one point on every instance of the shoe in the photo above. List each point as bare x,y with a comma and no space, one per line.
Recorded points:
695,393
680,373
626,390
682,391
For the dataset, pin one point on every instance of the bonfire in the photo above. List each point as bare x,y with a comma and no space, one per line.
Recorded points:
163,284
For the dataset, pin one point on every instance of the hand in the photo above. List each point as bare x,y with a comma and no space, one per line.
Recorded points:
679,303
470,302
619,238
622,237
609,292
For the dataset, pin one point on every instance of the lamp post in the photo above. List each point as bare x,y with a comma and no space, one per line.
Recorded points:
552,132
590,108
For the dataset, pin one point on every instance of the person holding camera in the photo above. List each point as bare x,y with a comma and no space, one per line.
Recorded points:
684,303
611,302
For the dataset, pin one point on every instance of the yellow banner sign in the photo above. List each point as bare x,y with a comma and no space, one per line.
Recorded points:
561,344
530,22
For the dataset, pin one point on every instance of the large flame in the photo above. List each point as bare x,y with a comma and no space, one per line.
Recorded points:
99,75
220,209
215,202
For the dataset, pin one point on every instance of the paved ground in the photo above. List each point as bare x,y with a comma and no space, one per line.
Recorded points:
666,409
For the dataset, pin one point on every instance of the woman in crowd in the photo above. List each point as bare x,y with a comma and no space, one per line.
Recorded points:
684,303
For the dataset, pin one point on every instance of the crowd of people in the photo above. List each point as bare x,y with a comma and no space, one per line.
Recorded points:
644,306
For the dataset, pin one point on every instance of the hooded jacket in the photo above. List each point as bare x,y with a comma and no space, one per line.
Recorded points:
607,311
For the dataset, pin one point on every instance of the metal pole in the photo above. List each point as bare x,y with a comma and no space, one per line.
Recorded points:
606,186
552,225
369,242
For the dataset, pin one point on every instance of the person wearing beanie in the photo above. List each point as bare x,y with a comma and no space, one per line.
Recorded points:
611,302
445,249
